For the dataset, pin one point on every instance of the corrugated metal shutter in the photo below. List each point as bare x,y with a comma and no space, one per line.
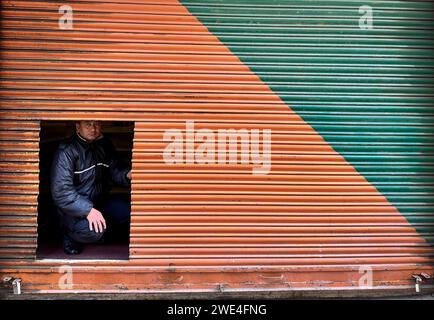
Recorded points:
18,189
154,63
367,91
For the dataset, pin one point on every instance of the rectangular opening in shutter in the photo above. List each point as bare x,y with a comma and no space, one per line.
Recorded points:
50,230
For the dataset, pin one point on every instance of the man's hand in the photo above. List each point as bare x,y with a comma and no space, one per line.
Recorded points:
129,175
96,220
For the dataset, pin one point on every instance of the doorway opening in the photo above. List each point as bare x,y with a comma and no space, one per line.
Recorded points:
50,230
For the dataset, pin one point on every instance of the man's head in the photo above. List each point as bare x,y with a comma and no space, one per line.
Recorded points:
90,130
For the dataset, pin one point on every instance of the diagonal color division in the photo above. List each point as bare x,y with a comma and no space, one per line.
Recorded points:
368,93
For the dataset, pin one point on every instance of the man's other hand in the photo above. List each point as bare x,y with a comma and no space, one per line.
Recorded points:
96,221
129,175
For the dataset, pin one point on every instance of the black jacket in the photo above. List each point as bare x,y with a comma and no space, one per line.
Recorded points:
81,174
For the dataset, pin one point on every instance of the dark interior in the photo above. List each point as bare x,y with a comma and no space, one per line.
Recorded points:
49,234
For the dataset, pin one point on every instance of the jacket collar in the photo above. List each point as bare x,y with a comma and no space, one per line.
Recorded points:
84,142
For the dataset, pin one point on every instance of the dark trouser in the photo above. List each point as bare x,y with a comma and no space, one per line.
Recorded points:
116,212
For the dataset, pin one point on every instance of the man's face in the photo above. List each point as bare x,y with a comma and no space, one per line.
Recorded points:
90,130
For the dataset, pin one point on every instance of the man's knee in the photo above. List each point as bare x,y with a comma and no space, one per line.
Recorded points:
81,233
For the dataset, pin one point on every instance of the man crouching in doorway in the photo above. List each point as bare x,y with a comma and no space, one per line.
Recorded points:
82,168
